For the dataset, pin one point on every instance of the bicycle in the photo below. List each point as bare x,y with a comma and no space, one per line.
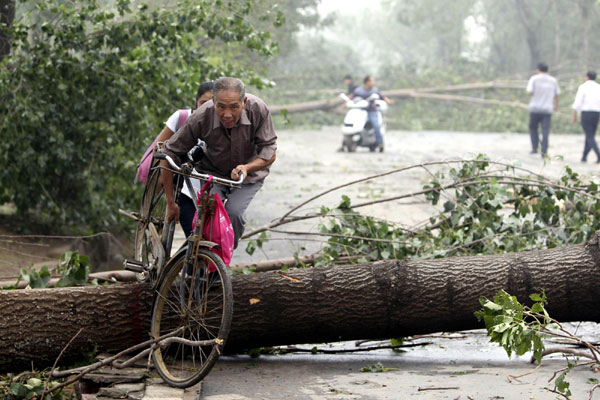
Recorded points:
193,300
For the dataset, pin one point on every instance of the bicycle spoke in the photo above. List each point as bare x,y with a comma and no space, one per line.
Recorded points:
192,298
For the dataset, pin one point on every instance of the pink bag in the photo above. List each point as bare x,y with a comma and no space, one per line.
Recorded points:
218,229
146,161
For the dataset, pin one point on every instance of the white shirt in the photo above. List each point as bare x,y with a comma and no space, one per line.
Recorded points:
543,88
173,120
172,123
587,97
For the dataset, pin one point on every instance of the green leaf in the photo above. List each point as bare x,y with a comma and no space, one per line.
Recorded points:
535,297
35,382
18,390
251,247
373,368
490,305
561,385
448,206
76,269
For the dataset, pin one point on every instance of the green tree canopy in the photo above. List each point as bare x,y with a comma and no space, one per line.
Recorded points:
86,88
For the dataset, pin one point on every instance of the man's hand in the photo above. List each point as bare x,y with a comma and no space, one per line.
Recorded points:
172,211
240,169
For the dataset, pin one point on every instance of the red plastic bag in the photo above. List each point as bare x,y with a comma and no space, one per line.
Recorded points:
218,229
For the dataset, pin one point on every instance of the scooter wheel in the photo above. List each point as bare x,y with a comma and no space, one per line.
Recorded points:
349,144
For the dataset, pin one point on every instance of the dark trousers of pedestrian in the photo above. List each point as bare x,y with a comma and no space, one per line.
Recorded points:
589,123
535,120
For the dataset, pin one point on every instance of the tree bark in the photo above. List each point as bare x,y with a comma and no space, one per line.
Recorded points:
368,301
7,15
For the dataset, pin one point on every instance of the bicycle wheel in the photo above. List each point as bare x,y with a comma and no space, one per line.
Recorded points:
197,305
148,245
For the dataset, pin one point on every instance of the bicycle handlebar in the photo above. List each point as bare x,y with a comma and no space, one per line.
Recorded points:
196,175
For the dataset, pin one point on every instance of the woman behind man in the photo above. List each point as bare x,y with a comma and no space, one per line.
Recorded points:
176,121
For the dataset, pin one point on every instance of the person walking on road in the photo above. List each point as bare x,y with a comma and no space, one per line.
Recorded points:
587,102
544,91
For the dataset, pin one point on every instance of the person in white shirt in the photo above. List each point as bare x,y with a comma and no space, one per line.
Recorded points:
544,92
587,102
186,204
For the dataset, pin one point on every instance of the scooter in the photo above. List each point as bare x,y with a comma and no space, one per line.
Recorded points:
357,129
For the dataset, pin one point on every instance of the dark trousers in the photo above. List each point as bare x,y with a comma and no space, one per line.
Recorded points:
589,123
237,202
536,119
187,209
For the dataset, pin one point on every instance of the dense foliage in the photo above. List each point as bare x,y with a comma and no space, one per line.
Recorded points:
73,269
30,385
87,87
485,208
521,328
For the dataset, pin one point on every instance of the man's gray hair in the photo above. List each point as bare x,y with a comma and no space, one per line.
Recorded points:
230,84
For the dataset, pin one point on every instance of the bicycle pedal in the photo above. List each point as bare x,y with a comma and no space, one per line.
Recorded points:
134,266
130,214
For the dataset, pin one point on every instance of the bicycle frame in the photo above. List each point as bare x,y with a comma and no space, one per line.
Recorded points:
204,205
189,296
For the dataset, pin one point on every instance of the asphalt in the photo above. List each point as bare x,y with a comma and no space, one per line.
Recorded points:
465,368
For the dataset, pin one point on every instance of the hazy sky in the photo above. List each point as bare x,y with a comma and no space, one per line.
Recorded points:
327,6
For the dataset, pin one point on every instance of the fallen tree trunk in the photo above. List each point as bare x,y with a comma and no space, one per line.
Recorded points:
426,93
368,301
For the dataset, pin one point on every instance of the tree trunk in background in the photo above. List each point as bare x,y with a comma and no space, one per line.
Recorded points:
368,301
428,93
531,26
585,9
556,33
7,15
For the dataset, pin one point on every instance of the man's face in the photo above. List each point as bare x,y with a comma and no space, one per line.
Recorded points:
229,107
206,96
347,81
370,83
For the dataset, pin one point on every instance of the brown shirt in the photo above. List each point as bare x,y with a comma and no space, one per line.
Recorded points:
252,137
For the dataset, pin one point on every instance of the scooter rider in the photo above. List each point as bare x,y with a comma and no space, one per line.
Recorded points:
364,92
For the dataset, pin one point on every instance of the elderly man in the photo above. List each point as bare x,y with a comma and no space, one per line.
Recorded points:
587,101
240,140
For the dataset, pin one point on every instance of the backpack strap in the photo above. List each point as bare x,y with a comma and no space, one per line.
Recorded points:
183,114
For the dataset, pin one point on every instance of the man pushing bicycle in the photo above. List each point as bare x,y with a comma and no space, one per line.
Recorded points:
240,140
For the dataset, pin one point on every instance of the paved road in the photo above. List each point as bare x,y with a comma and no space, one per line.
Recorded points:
463,366
469,367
